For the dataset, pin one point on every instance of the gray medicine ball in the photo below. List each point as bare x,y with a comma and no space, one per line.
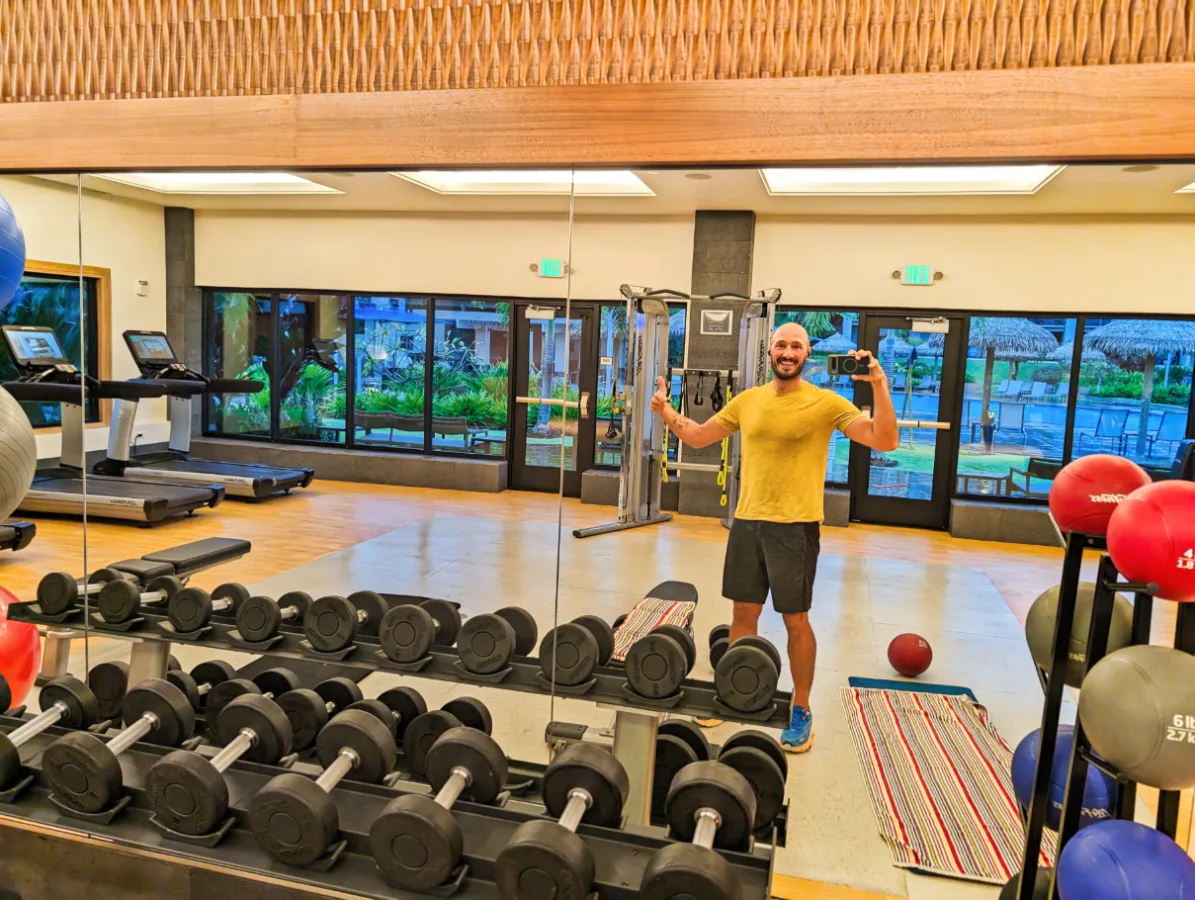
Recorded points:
1039,629
18,453
1138,709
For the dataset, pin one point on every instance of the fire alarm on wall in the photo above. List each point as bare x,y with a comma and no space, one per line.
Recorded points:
142,288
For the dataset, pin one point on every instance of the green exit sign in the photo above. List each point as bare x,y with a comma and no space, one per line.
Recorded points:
551,268
920,275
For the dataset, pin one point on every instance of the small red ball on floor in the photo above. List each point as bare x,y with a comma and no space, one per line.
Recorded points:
910,654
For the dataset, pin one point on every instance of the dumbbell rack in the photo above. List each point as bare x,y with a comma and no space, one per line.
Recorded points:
636,717
1107,585
620,853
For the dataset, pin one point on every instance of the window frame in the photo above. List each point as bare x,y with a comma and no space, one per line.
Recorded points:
97,336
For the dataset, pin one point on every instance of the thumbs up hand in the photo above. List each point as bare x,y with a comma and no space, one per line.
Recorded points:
659,399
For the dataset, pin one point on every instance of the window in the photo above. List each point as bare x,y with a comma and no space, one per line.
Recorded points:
1134,393
390,339
53,300
1013,421
239,338
470,375
832,332
312,393
612,337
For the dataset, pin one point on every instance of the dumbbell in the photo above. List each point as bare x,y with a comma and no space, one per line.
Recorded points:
658,662
415,841
65,701
331,623
678,743
192,608
119,601
293,818
397,708
259,618
58,592
409,630
188,792
5,695
110,682
708,804
426,728
585,783
573,650
746,676
202,679
719,642
487,642
273,683
84,772
309,710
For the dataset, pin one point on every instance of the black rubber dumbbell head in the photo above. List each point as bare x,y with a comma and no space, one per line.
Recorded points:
685,640
718,632
119,600
765,777
416,842
717,650
83,773
5,695
82,710
276,682
331,623
407,633
746,677
58,592
712,785
189,609
672,755
375,607
760,740
448,620
380,711
109,682
307,709
526,631
595,770
690,733
486,643
172,664
569,653
366,736
407,705
685,870
657,664
422,733
262,716
211,672
602,633
471,712
755,640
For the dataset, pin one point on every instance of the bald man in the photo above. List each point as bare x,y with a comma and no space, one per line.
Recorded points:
785,427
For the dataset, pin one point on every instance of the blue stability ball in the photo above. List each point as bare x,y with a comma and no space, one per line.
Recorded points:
12,253
1099,799
1119,860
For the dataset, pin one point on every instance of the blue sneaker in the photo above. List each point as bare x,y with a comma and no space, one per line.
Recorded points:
798,736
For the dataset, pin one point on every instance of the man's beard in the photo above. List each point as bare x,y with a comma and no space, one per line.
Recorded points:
781,376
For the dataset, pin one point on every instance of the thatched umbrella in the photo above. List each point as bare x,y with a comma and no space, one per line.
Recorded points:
1003,336
835,343
1142,340
1066,352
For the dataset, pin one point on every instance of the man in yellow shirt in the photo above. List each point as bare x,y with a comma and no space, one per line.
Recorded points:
785,427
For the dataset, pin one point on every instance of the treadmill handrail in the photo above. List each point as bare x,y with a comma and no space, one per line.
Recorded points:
45,392
233,386
133,389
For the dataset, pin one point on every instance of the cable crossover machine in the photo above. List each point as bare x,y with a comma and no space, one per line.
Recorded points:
645,464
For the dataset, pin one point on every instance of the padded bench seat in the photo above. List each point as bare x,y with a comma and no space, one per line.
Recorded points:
185,558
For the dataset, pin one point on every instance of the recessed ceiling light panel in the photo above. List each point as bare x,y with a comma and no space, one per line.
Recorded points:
588,182
907,181
220,182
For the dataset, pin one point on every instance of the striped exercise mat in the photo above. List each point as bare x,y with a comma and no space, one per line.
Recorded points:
939,778
668,603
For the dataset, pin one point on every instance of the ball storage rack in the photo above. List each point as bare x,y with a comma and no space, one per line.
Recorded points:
1107,585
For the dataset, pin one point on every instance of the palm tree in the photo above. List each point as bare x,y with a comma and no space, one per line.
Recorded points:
547,374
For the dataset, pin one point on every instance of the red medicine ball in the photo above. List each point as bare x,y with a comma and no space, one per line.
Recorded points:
910,654
1151,538
1087,490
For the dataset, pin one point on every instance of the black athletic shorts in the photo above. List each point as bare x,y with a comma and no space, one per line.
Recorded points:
776,556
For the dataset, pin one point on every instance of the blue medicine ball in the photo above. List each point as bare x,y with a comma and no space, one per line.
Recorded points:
1119,860
12,252
1099,799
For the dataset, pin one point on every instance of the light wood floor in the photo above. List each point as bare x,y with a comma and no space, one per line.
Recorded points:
330,516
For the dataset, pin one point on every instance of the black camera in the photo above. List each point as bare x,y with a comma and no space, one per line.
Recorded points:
841,364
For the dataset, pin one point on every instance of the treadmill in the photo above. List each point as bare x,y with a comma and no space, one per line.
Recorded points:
156,360
46,376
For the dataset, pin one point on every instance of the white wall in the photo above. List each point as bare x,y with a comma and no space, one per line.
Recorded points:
1144,265
125,236
487,255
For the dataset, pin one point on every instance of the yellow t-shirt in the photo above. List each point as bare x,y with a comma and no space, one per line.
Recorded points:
784,440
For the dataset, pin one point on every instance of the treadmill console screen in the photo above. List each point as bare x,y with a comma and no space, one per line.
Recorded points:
34,347
150,348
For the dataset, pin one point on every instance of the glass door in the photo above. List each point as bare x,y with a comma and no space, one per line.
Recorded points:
911,484
553,402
